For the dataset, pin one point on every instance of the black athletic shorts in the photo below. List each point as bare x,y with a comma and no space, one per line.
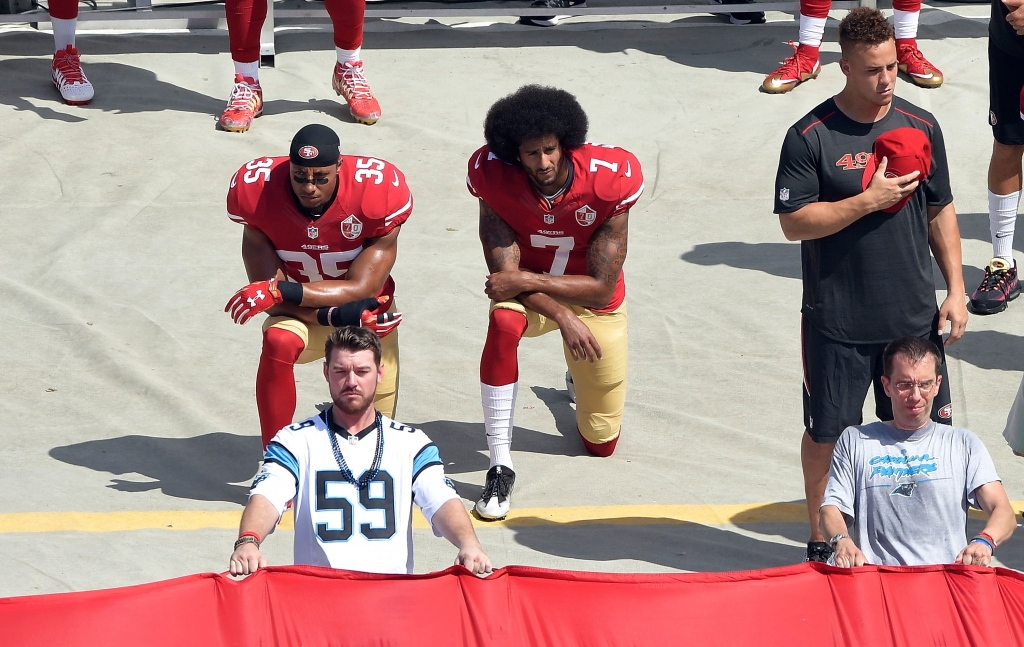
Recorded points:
836,381
1005,81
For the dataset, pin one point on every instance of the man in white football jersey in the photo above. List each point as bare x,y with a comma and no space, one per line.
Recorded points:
352,475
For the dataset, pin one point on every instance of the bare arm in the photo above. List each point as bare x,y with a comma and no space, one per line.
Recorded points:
832,522
605,256
260,516
454,524
1001,523
820,219
944,240
364,279
501,251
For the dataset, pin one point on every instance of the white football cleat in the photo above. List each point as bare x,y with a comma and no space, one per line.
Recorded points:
570,386
496,500
67,75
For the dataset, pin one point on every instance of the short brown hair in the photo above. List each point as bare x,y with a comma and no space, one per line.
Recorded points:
864,25
910,348
353,339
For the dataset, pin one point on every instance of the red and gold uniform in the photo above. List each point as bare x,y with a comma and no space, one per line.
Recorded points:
371,201
553,238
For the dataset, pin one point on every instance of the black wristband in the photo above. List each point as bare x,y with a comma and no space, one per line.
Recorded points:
290,292
347,314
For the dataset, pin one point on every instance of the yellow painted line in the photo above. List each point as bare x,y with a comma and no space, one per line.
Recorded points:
638,515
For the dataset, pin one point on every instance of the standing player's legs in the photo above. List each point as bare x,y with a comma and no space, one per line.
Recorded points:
804,64
245,22
349,80
287,342
66,69
836,380
1006,115
601,386
911,62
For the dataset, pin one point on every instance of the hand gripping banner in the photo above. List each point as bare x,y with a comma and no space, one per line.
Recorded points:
793,606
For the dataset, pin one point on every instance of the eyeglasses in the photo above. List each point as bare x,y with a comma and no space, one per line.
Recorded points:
320,181
907,387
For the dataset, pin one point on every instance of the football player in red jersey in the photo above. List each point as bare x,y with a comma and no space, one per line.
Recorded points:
320,239
553,215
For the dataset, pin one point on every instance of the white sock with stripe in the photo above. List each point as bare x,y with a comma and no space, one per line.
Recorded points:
811,31
63,32
248,70
499,408
905,23
348,55
1002,217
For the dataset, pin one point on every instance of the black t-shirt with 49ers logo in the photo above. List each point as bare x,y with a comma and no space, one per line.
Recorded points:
872,281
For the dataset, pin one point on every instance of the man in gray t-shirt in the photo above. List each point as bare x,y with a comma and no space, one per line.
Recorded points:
904,486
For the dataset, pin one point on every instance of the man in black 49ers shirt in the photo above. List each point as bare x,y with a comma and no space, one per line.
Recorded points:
864,185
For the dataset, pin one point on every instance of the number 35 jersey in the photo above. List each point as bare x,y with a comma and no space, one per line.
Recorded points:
372,200
553,239
338,525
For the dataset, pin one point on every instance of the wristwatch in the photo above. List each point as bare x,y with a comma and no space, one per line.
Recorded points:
835,540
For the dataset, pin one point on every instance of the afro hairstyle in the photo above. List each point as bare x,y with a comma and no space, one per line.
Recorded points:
534,111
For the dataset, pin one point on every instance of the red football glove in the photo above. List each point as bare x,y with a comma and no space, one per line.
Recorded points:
253,299
383,324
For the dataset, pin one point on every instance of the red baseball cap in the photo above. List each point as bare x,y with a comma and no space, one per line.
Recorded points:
907,150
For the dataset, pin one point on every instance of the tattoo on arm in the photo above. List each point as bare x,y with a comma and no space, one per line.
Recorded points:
607,250
501,251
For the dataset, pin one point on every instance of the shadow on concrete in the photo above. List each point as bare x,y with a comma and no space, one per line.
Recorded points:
777,259
125,89
974,226
463,445
202,468
666,542
989,349
558,403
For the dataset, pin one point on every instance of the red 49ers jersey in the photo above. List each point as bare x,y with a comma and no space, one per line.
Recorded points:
372,200
607,181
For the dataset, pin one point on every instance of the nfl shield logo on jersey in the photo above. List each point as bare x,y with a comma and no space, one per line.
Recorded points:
549,219
784,195
351,227
585,215
312,232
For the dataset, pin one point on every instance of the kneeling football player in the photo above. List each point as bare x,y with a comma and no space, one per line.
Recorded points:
320,239
553,214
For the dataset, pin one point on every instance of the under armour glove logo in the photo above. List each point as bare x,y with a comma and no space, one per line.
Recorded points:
255,296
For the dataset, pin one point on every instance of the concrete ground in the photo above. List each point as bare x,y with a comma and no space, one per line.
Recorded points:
126,393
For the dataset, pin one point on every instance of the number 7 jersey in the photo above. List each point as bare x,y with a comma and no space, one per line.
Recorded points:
553,239
372,200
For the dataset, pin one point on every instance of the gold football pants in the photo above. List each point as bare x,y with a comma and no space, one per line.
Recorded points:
601,386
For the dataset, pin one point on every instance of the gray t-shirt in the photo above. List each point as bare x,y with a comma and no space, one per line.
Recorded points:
908,495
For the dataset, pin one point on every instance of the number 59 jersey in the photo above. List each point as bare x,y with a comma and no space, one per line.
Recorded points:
338,525
553,239
372,200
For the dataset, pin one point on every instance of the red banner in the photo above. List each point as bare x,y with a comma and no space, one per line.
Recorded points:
806,604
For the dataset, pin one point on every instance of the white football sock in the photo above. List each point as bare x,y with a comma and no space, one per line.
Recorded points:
248,70
348,55
905,23
1002,216
499,407
63,32
811,30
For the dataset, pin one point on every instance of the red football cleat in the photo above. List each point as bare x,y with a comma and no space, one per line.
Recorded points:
350,83
244,105
803,65
913,63
67,75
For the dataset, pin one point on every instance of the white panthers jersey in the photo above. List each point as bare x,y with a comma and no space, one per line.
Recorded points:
338,525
